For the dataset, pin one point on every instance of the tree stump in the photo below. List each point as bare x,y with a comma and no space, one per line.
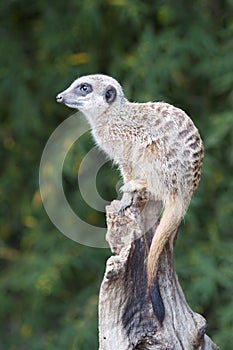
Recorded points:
126,317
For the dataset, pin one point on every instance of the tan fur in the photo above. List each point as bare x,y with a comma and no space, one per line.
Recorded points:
155,145
166,230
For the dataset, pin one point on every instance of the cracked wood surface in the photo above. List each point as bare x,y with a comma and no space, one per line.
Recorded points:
126,317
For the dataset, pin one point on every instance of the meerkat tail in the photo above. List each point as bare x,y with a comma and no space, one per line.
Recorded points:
171,218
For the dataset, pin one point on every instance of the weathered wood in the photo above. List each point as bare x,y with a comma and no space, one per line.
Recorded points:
126,317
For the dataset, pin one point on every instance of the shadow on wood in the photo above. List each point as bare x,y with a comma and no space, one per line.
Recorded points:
127,318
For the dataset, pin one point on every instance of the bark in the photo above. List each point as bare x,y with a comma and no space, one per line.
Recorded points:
126,317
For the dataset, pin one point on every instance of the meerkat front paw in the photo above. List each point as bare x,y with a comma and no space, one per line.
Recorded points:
128,189
126,202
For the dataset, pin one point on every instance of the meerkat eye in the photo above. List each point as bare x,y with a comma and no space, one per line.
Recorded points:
110,94
84,89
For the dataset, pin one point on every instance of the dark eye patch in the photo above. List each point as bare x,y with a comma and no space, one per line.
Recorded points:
84,89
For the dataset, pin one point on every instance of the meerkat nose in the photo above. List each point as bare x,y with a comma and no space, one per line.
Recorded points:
59,98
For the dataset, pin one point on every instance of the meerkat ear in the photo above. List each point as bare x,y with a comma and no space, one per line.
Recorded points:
110,94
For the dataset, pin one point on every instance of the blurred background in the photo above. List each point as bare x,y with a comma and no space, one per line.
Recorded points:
178,51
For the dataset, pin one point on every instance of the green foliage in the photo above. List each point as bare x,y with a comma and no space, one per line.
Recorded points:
182,54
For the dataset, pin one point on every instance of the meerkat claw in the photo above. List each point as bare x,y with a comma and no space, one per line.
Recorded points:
126,202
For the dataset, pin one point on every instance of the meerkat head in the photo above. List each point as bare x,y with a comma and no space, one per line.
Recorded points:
92,95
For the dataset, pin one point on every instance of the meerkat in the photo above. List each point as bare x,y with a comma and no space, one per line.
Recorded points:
156,146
